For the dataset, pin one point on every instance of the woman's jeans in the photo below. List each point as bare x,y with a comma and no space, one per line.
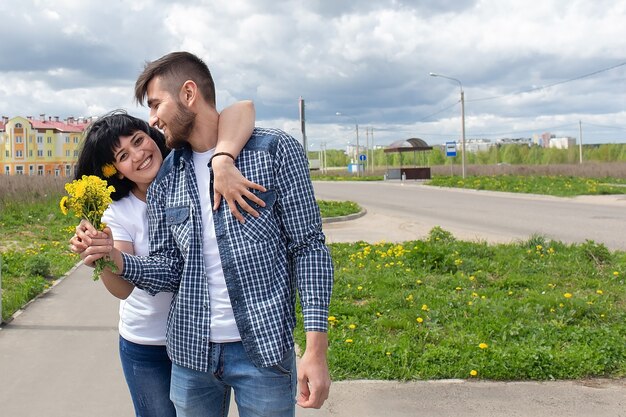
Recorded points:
268,392
147,370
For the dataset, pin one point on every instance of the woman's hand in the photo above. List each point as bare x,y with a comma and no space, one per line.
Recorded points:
234,187
90,243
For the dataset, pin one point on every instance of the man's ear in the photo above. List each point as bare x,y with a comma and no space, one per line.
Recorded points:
189,92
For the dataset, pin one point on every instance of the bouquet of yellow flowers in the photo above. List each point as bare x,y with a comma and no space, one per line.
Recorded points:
87,198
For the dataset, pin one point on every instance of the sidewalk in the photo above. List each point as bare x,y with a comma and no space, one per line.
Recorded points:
58,358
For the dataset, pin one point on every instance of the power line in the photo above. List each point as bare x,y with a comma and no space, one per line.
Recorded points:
549,85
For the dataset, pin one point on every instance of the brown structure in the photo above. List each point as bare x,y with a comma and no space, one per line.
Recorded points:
419,170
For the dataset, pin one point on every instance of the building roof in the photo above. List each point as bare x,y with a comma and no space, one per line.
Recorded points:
408,145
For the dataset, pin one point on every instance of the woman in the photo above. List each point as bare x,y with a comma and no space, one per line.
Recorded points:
128,153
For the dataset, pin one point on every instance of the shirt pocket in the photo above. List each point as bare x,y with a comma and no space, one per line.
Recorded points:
177,220
263,227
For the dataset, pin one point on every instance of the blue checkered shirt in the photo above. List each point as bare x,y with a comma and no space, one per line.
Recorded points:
264,260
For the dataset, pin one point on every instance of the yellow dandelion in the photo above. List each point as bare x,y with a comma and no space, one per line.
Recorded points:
425,307
616,273
472,277
567,295
483,345
418,282
409,298
388,353
108,170
349,340
469,303
332,319
419,320
359,288
63,205
378,314
599,292
352,326
561,305
458,288
510,292
473,372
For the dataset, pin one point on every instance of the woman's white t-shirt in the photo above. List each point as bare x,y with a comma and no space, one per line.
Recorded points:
143,318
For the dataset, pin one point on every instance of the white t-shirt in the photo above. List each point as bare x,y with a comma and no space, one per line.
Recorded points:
143,318
223,326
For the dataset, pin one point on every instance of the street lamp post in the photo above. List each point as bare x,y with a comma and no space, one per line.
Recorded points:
432,74
358,164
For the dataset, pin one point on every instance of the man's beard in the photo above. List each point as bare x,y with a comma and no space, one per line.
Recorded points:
179,130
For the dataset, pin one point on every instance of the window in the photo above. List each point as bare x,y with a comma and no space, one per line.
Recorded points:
67,139
39,169
7,170
49,153
67,152
68,170
76,140
39,139
30,153
75,153
8,154
49,139
40,153
19,154
19,170
18,125
31,169
18,139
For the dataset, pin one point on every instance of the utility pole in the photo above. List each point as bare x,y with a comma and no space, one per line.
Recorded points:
580,144
303,126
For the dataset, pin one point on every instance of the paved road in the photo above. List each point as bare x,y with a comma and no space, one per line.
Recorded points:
409,210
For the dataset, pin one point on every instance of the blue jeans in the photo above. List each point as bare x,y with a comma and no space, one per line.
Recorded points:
147,370
268,392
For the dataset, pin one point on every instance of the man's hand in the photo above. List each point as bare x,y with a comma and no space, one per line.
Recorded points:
313,376
229,183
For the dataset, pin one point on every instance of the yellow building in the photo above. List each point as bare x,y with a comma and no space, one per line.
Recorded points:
41,146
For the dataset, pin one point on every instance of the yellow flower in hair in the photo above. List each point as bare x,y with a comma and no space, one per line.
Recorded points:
63,205
108,170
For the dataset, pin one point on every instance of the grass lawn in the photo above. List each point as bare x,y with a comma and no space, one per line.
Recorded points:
443,308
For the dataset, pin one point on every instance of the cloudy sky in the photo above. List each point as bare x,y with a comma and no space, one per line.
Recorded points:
526,67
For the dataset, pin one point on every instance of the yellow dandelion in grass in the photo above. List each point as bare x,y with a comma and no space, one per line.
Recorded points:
458,288
332,319
349,340
590,303
418,282
469,303
473,372
567,295
616,273
474,294
602,315
561,305
425,307
472,277
359,288
510,292
409,298
538,247
419,320
483,345
352,326
599,292
378,314
458,262
552,310
388,353
108,170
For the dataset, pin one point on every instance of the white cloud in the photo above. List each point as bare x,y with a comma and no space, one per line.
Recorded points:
369,60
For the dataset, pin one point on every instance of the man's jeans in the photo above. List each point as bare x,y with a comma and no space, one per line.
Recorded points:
268,392
147,370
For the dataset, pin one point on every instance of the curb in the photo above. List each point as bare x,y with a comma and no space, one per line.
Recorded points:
354,216
44,292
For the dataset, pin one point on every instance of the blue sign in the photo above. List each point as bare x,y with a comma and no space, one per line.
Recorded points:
450,148
362,157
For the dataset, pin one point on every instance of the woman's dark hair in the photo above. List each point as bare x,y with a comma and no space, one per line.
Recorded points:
99,140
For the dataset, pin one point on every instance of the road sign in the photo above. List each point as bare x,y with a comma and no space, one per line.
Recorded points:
450,148
362,157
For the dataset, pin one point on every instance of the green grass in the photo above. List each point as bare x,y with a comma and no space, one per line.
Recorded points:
421,310
337,208
33,249
562,186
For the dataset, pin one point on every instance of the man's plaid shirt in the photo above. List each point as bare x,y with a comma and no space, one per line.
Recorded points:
264,260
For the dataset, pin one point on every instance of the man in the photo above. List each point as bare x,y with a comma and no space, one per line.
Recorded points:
231,322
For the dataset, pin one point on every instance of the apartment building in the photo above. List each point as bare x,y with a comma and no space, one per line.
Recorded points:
43,146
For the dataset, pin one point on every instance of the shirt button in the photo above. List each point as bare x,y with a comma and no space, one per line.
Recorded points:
205,306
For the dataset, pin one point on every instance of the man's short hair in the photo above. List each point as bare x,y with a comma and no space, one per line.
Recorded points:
174,69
